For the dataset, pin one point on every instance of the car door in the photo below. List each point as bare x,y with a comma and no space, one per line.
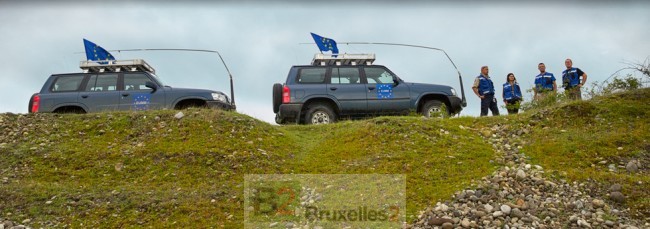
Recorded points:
385,92
136,96
100,93
346,86
64,91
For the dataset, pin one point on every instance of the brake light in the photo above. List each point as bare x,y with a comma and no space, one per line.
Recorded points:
286,94
36,101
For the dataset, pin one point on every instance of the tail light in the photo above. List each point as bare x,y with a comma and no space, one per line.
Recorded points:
36,101
286,94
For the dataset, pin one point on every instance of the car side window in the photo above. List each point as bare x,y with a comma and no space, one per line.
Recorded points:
311,75
67,83
136,82
106,82
345,76
378,75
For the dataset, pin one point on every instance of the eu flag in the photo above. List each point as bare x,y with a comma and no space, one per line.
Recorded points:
325,44
95,52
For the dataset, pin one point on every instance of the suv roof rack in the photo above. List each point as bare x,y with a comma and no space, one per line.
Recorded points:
321,59
116,66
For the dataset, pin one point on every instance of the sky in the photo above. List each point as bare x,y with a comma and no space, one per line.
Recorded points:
261,40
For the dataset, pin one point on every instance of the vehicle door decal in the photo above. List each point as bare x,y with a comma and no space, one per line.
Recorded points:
384,91
141,101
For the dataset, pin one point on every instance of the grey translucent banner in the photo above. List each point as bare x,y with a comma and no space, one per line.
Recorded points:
325,201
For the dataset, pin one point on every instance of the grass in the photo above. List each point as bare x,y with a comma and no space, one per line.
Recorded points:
580,140
149,169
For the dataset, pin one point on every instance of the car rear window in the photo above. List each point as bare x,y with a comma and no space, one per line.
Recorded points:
345,76
67,83
102,83
312,75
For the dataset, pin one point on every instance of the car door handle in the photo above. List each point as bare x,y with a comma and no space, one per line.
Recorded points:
333,88
371,88
125,94
84,96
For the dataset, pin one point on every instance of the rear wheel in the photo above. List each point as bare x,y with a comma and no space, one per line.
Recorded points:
435,108
69,110
29,107
277,97
320,113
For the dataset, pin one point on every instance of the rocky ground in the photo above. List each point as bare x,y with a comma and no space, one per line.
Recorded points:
520,195
6,224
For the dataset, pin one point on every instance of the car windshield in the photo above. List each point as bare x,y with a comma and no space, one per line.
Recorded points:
159,81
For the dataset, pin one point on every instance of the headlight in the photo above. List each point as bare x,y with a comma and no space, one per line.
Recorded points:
220,97
453,92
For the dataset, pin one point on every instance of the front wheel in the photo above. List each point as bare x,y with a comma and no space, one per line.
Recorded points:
320,114
435,108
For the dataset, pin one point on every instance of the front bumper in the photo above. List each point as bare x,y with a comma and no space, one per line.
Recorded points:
220,105
288,113
456,104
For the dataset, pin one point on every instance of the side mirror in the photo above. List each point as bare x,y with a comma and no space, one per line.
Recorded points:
395,82
151,85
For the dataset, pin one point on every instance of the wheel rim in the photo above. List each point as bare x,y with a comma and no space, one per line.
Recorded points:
434,110
320,117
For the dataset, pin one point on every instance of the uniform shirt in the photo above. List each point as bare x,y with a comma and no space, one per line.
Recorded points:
484,85
573,75
511,92
544,81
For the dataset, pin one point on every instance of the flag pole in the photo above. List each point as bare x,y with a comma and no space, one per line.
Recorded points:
232,92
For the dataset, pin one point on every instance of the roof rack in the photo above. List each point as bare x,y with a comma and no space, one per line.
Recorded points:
342,59
116,66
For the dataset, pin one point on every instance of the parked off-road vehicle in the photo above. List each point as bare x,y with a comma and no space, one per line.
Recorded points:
118,85
349,85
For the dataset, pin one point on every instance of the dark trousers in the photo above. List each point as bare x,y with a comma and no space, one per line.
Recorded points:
488,101
513,106
573,93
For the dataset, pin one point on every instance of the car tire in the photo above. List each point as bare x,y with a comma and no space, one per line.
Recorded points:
277,97
435,106
29,107
320,113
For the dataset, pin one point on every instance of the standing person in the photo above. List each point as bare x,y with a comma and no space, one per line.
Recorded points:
544,82
571,80
512,94
484,89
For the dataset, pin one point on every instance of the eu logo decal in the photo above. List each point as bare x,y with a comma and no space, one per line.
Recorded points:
141,101
384,91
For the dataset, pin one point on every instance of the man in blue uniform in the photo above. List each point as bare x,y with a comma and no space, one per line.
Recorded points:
544,82
571,80
484,89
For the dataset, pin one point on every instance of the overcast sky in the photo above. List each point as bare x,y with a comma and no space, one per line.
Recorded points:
260,41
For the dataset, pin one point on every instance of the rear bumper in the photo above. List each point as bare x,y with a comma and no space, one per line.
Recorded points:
220,105
288,113
456,104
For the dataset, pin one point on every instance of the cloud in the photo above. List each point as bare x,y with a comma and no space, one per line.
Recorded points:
260,41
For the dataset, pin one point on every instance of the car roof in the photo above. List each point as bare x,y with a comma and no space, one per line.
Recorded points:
93,73
324,66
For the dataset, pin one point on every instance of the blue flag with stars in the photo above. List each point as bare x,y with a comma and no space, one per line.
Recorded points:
95,52
325,44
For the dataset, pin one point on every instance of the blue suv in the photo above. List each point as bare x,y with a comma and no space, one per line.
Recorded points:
118,86
351,86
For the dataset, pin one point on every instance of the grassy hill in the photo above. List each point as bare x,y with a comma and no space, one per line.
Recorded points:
149,169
